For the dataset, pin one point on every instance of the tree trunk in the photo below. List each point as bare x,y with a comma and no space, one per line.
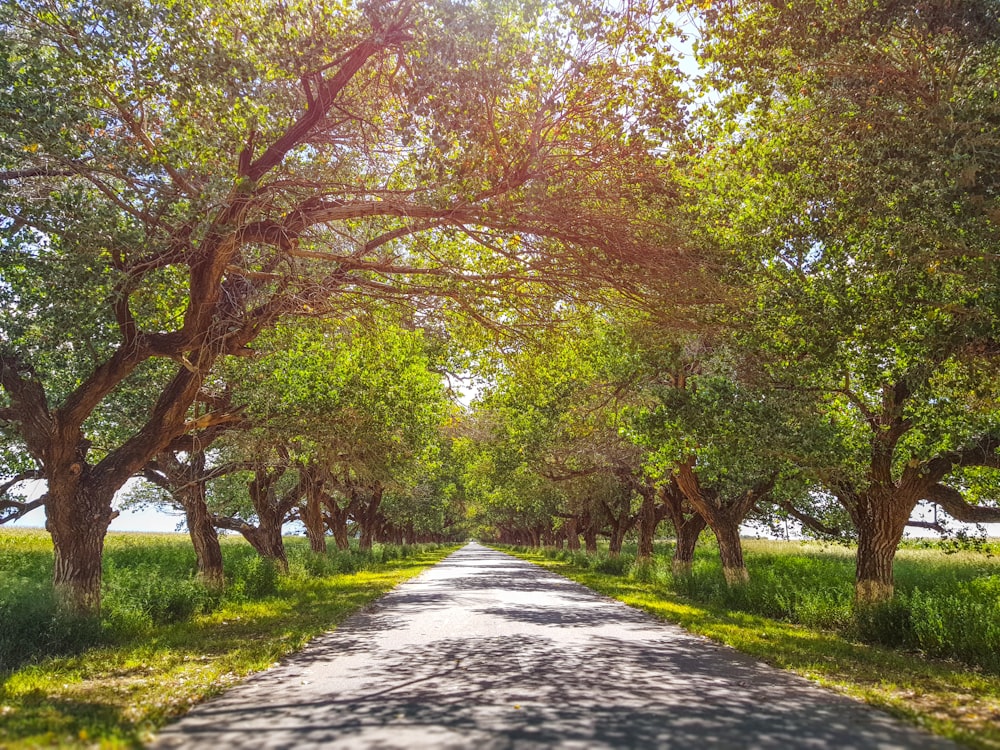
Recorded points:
77,517
724,516
688,525
572,535
590,539
615,539
266,539
336,519
687,532
312,518
649,520
367,518
727,533
203,536
366,539
882,521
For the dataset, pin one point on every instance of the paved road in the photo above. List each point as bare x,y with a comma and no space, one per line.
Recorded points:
487,651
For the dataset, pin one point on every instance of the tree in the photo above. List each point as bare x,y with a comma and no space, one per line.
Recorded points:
184,476
720,443
213,168
256,502
356,402
855,206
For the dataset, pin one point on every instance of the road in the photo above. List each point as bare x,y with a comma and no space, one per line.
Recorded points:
487,651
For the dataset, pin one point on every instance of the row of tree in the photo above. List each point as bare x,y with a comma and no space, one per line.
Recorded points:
841,183
608,428
767,285
178,177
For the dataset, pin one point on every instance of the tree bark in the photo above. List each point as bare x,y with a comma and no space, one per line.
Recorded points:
687,532
649,519
266,536
572,534
77,517
688,525
266,539
312,517
203,536
881,521
367,517
723,516
590,539
615,539
336,519
727,533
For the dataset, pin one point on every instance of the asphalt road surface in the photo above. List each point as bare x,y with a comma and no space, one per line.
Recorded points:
487,651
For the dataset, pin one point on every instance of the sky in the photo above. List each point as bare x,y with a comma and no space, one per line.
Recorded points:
155,520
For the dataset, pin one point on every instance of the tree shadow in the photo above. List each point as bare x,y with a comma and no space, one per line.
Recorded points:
559,671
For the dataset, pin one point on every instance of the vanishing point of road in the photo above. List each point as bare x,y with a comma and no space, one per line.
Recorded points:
487,651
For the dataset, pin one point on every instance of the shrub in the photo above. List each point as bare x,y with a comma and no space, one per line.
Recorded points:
141,596
644,571
963,623
616,566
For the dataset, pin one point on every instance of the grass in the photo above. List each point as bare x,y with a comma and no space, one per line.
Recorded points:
948,697
164,643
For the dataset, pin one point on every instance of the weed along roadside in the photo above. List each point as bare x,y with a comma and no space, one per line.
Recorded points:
796,614
164,642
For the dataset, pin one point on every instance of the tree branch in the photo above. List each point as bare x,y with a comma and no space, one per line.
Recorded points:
20,509
11,175
28,402
810,521
326,95
956,506
982,453
932,525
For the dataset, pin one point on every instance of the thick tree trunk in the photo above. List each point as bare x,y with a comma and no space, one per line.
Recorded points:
688,525
687,531
882,521
727,533
336,519
724,516
367,516
266,539
366,539
77,517
203,536
615,540
340,536
590,539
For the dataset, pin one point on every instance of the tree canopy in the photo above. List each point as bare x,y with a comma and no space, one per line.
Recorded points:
269,234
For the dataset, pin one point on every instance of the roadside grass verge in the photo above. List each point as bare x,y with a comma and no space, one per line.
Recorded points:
114,686
945,696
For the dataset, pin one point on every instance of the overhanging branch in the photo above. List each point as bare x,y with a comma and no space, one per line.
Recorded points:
956,506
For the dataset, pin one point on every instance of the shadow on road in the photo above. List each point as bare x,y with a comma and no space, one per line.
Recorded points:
632,683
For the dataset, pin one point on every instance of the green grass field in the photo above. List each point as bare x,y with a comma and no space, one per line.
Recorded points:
164,641
796,614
